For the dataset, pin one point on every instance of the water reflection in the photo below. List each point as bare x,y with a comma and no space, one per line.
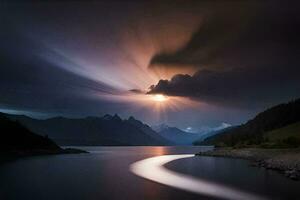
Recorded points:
153,169
104,174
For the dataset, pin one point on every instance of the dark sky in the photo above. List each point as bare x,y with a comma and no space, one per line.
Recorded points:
217,61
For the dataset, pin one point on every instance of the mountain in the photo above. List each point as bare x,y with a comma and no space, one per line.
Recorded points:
107,130
176,135
16,139
210,134
147,130
258,131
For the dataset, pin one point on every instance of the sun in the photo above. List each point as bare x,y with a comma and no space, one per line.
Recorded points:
159,98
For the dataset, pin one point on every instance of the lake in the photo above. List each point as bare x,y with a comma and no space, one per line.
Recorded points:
105,173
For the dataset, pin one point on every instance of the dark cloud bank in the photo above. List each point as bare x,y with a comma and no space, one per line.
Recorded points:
238,87
242,57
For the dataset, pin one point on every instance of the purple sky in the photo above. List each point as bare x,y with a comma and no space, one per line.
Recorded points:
216,61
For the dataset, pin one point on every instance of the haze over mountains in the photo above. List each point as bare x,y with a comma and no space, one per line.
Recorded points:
188,137
176,135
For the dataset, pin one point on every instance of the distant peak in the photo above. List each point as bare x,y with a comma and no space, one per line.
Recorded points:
134,121
116,117
164,126
131,118
160,127
107,117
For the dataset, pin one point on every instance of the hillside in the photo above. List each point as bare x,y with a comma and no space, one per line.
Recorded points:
292,130
107,130
285,136
257,131
18,140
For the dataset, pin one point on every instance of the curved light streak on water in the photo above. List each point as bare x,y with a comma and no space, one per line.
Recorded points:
153,169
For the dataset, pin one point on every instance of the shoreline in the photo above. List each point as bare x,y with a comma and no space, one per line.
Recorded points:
13,155
285,161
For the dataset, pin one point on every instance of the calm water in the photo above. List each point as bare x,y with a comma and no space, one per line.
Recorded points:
104,174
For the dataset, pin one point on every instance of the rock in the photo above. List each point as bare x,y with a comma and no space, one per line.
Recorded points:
285,162
292,174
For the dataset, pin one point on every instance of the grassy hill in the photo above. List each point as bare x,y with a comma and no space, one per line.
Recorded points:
274,127
284,137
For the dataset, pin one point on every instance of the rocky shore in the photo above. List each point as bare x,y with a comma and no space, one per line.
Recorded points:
285,161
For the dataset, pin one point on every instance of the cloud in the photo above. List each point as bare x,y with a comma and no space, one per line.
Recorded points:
137,91
240,59
207,129
235,37
243,87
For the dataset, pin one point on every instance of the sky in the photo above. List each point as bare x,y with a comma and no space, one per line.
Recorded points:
215,62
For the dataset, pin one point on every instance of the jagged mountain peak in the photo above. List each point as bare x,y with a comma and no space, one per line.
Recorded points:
107,117
131,118
116,117
106,130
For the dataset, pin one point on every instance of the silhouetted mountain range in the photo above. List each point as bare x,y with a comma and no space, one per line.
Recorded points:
261,129
176,135
107,130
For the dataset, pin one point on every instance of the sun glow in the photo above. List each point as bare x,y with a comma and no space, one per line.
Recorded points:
156,106
159,98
